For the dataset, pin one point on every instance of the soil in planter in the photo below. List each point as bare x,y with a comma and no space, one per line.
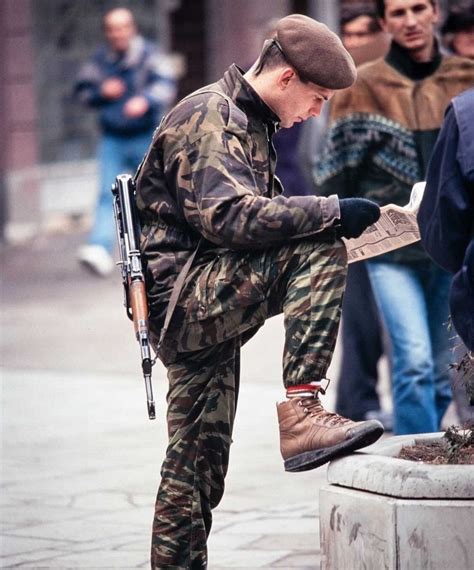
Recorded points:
455,447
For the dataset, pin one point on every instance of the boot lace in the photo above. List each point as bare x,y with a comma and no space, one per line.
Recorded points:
314,408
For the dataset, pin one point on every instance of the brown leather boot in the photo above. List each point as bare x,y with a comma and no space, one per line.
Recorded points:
310,436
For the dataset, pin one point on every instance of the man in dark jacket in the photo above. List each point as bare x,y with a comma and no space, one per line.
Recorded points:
361,333
446,216
446,220
130,84
224,251
383,131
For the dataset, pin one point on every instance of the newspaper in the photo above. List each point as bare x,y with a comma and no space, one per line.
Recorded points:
396,227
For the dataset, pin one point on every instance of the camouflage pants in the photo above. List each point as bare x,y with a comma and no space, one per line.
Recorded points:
226,301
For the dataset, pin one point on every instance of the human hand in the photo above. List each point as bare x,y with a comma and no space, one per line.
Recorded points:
112,88
136,107
357,214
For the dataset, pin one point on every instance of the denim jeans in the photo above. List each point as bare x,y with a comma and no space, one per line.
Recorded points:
413,301
117,155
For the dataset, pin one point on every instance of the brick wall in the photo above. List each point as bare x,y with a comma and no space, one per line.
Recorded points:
18,106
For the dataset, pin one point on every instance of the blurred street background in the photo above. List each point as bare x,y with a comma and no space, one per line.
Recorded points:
47,157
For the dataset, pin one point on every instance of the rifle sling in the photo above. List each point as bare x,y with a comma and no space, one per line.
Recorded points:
177,288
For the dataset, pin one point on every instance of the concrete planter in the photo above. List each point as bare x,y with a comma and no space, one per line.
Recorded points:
380,512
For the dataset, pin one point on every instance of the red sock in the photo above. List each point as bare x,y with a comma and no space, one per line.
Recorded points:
303,390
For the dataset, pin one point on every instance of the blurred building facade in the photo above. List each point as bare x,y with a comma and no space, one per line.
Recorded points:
47,164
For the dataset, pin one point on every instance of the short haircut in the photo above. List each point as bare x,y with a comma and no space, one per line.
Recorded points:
271,57
380,6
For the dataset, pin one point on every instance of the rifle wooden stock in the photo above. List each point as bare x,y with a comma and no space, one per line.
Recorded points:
139,304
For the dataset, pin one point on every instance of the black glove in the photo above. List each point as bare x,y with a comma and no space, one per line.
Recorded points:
357,214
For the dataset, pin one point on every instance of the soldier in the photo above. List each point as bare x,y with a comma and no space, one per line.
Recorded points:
224,251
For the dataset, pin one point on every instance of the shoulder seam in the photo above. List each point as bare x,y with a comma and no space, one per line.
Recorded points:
230,103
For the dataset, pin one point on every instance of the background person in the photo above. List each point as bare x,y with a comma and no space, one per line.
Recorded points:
130,84
212,213
446,215
361,330
457,32
379,145
361,33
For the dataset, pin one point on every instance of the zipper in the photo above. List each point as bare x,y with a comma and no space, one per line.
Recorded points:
271,154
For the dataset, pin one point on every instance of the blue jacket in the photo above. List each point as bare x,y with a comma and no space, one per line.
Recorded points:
144,71
446,215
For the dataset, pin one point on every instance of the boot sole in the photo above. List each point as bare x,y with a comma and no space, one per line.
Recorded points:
366,435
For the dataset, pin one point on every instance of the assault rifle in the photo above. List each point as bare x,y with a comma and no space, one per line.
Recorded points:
128,231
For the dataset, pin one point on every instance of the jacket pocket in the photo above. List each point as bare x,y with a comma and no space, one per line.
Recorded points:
229,282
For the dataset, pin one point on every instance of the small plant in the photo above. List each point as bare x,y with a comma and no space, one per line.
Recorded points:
457,440
465,371
457,444
456,447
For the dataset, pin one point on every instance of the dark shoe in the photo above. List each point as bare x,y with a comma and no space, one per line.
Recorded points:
310,436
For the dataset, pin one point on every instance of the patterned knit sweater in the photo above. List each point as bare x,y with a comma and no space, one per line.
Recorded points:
383,129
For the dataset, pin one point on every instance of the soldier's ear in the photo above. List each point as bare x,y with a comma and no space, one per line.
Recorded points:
285,77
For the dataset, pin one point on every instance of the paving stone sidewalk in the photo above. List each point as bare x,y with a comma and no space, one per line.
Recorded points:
80,464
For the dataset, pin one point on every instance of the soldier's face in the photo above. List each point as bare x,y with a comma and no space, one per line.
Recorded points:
299,101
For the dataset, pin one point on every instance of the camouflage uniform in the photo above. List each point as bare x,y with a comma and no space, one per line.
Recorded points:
208,184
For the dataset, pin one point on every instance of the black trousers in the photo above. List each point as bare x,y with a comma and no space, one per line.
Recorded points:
362,340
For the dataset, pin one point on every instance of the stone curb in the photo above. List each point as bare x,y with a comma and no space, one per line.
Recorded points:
378,470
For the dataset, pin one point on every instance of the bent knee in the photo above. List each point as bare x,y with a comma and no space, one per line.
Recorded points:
334,250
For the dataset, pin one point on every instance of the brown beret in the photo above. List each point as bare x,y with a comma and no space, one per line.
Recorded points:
316,53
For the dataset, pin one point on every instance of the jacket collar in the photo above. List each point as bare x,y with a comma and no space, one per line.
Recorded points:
245,96
399,58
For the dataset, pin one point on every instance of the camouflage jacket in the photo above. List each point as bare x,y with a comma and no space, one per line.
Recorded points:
209,173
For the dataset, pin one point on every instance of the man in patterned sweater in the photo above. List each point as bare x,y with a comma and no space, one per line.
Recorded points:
381,137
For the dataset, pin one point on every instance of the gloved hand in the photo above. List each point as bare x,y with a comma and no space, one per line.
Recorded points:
357,214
